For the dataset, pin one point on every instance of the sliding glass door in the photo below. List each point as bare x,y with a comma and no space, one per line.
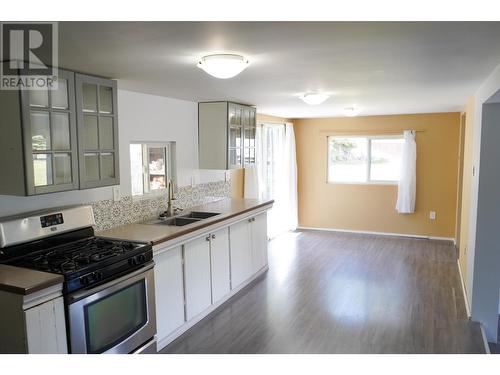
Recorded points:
273,155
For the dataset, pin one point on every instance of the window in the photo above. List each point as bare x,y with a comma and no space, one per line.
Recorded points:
152,165
374,159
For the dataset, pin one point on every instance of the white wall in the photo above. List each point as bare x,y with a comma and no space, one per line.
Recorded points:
146,117
141,117
487,246
486,90
489,87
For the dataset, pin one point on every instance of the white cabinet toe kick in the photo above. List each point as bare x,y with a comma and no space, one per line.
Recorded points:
197,274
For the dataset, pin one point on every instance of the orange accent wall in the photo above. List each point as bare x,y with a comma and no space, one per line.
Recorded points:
237,183
368,207
272,119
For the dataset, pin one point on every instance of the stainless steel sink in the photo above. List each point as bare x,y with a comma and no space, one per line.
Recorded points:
179,221
200,215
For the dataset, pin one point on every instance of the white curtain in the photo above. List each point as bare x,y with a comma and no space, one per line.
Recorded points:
291,177
407,186
277,170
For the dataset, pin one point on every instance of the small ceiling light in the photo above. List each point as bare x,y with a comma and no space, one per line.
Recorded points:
313,98
351,111
223,65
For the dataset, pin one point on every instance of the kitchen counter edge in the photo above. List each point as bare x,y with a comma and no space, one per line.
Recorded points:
132,232
24,281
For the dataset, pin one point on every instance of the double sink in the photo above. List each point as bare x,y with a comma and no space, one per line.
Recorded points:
181,220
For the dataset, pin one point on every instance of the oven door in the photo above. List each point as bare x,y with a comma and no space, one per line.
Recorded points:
116,317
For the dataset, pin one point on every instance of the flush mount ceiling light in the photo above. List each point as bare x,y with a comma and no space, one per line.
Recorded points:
223,65
314,98
351,111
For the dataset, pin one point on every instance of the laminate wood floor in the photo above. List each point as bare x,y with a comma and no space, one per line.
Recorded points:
331,292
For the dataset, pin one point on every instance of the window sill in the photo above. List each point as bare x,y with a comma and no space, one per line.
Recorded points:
384,183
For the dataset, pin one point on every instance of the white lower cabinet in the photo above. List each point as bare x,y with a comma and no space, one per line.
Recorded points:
169,291
259,241
46,328
248,239
241,252
202,272
33,323
219,259
197,280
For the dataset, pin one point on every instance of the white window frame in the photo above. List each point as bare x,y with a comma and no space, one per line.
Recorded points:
170,167
369,139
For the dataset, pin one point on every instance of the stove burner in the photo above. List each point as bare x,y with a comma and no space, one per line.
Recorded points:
77,255
67,266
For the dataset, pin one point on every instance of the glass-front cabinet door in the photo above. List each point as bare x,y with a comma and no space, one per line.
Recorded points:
50,138
235,130
96,105
250,129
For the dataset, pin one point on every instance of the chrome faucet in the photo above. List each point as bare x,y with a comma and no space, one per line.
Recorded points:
171,211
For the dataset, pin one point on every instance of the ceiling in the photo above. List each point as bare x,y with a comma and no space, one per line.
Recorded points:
379,67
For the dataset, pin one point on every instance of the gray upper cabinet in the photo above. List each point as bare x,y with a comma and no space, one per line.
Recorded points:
38,146
96,109
226,135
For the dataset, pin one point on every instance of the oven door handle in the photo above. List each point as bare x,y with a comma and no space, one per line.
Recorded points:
71,298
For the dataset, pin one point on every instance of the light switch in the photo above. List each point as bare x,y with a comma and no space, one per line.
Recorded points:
432,215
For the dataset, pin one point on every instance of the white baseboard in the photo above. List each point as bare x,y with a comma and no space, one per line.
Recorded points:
485,340
462,282
163,342
380,233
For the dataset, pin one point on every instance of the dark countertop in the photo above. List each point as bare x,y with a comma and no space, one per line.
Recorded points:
158,233
25,281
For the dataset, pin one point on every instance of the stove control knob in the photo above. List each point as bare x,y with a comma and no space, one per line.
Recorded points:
132,261
141,258
84,280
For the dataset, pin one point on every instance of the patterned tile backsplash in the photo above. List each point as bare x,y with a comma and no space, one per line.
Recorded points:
109,214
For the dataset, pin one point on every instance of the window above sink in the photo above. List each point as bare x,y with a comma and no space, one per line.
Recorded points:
152,165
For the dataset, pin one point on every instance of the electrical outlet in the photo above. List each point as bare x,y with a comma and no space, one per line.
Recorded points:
116,193
432,215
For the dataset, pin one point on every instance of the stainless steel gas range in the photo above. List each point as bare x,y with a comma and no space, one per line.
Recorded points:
108,284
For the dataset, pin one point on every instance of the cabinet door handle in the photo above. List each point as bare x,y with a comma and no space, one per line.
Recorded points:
207,238
213,236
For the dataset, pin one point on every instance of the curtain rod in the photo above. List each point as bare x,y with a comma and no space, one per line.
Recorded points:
369,132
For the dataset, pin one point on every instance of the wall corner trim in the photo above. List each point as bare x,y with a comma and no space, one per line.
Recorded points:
462,283
485,340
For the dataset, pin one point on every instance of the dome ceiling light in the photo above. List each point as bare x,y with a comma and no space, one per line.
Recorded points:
314,98
223,66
